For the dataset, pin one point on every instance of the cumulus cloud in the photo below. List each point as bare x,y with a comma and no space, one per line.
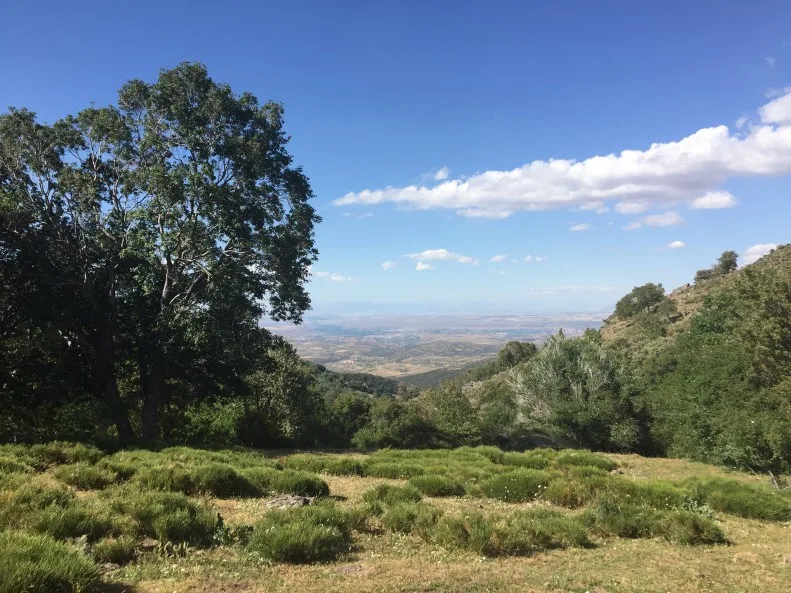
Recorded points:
441,174
333,277
632,207
388,265
580,227
444,255
712,200
498,259
423,266
660,175
656,220
534,258
756,252
676,245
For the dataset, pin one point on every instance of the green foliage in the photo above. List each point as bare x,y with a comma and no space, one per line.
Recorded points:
394,471
433,485
120,550
85,476
294,482
534,530
304,535
389,495
393,424
324,464
471,531
410,517
535,459
39,564
572,458
639,300
517,486
752,501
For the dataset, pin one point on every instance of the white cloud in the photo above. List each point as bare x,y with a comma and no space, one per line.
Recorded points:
756,252
741,122
333,277
660,175
444,255
633,226
770,61
423,266
580,227
388,265
777,111
441,174
498,259
676,245
665,219
534,258
712,200
632,207
501,272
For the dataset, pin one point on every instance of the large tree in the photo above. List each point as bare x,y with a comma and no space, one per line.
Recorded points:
138,226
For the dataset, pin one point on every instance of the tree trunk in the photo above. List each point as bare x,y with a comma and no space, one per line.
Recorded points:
105,373
153,388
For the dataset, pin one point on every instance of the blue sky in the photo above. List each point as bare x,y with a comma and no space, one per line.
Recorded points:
391,95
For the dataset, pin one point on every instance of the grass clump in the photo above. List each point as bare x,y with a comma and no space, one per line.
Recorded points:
10,464
491,453
394,471
751,501
473,532
692,529
119,550
517,486
164,478
390,495
85,476
168,517
325,464
571,458
304,535
269,481
433,485
221,480
535,459
59,453
534,530
410,517
39,564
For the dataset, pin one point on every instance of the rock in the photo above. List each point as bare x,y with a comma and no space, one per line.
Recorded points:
617,472
787,559
288,501
148,544
110,566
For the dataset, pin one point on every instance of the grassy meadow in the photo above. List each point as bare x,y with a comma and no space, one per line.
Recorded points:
73,518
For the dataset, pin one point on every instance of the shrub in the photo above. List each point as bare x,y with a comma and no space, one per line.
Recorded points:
222,481
572,493
58,453
692,529
611,517
734,497
534,530
335,466
123,470
472,532
437,486
168,516
535,459
304,535
395,471
12,481
117,550
166,478
294,482
10,464
84,476
570,458
517,486
410,517
655,493
389,495
493,454
262,478
39,564
73,521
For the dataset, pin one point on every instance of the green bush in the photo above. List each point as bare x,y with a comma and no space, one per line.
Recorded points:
752,501
73,521
324,464
394,471
535,459
221,480
293,482
59,453
612,517
123,470
304,535
12,481
39,564
473,532
571,492
10,464
432,485
85,476
389,495
168,516
165,478
262,478
534,530
493,454
517,486
570,458
654,493
691,529
410,517
119,550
